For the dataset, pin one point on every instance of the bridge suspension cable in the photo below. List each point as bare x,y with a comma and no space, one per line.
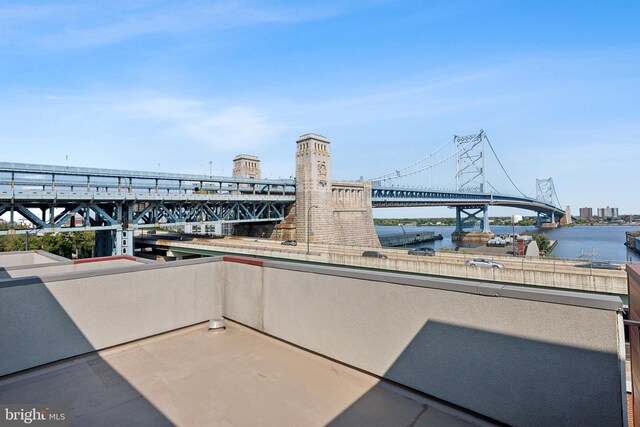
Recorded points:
410,169
503,169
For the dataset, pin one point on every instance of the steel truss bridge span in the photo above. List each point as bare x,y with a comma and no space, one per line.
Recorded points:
116,202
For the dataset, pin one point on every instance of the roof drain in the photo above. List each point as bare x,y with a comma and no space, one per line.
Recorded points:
217,324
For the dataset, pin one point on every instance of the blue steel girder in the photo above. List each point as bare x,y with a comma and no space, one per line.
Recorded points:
210,214
165,213
470,218
260,211
244,212
229,211
104,215
546,217
30,216
61,219
193,213
140,216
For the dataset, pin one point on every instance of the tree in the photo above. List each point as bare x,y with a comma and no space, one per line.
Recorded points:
63,244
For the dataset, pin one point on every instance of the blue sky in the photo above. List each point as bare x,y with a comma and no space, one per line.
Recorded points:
172,85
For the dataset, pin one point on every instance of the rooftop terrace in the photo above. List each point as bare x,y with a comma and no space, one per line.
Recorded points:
306,345
239,377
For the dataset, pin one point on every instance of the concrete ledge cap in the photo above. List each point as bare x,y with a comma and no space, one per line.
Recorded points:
581,299
36,266
57,277
247,157
54,257
315,136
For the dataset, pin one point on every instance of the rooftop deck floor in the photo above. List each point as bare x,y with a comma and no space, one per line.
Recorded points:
235,378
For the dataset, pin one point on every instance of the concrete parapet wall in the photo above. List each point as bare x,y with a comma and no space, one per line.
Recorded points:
532,272
520,356
55,317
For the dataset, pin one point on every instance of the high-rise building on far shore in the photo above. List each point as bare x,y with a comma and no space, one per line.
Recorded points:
586,213
607,212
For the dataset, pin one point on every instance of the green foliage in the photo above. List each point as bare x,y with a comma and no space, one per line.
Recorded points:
63,244
543,242
415,221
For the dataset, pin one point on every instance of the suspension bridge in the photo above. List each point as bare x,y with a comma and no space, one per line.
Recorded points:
457,175
114,203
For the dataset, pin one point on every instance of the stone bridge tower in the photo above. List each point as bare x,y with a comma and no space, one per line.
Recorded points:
246,166
335,212
313,188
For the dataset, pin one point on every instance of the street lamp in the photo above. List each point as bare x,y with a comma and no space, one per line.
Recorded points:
309,227
210,168
513,235
26,240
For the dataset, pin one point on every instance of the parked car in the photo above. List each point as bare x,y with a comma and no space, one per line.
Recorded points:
422,252
374,254
289,243
482,262
606,265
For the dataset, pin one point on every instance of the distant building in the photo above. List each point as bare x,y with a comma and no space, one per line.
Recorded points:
607,212
75,220
586,213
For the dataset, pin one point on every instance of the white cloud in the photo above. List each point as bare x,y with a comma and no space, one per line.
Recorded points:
78,25
212,122
234,128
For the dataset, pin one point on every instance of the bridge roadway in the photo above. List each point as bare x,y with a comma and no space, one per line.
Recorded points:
386,197
520,271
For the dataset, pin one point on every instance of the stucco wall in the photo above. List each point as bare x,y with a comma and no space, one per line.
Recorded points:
529,357
54,317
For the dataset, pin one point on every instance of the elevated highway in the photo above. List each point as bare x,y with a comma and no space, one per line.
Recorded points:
561,274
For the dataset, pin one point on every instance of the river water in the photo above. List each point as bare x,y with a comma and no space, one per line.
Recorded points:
607,242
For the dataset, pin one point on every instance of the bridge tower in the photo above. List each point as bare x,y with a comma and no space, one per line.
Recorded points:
544,192
328,211
471,176
313,188
246,166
